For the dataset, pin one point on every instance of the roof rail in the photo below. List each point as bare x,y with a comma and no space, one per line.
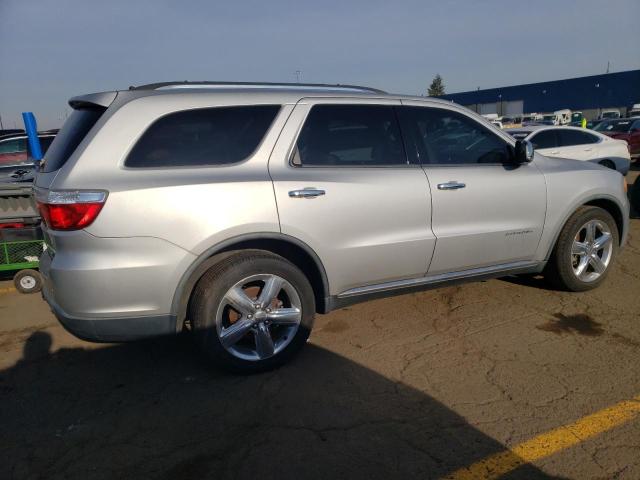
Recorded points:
186,83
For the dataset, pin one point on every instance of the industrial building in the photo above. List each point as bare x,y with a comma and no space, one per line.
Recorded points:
589,95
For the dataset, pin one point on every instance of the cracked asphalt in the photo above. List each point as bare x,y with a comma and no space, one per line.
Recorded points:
416,386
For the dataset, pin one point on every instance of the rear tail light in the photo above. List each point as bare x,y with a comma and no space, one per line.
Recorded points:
70,210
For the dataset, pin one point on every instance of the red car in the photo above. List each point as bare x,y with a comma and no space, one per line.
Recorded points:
623,129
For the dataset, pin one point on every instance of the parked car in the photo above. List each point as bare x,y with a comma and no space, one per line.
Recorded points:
577,144
240,211
564,116
576,117
591,124
610,113
16,161
634,110
627,129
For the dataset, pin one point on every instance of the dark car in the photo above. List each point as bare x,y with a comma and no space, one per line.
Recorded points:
623,129
16,160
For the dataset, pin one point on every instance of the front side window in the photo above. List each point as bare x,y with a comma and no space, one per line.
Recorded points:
445,137
545,139
206,136
350,135
567,138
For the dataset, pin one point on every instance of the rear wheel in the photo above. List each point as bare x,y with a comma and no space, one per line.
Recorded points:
252,311
584,251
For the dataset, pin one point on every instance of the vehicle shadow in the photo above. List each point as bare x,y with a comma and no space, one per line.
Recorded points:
151,410
533,281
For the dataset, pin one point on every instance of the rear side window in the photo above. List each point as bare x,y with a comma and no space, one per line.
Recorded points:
67,140
545,139
350,136
207,136
567,138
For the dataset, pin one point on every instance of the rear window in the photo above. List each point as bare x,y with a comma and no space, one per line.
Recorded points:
67,140
208,136
621,126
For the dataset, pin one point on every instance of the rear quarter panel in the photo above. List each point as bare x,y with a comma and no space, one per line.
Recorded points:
192,207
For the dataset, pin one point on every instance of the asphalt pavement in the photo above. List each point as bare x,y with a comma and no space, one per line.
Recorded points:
497,379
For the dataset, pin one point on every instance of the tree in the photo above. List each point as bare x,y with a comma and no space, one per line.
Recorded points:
437,87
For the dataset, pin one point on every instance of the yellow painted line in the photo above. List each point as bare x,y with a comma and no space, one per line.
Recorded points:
7,290
546,444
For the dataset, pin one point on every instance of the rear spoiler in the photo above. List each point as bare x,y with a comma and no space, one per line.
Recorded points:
102,99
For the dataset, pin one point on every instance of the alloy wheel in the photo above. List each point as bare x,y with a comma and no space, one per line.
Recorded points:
258,317
591,250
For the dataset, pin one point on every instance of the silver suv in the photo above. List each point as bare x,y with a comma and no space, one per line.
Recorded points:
239,211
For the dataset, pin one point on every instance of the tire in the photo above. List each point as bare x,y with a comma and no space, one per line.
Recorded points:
246,348
608,164
563,269
28,281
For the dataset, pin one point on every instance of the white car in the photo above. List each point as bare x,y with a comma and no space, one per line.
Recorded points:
577,144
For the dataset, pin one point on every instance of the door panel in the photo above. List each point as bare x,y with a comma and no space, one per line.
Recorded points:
485,211
496,218
367,224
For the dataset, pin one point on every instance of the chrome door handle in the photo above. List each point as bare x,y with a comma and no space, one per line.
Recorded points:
451,185
306,193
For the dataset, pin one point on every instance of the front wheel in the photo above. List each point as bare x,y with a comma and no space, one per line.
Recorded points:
585,250
252,311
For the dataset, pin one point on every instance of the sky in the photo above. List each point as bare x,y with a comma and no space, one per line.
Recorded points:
51,50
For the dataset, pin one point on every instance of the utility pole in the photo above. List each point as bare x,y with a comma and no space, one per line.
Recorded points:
607,66
1,127
298,75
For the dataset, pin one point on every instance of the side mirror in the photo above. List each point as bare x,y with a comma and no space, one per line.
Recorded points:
523,151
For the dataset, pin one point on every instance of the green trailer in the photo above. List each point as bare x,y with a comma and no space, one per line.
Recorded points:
21,241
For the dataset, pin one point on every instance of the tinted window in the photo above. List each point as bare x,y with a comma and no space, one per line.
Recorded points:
446,137
72,133
621,126
208,136
566,138
545,139
350,135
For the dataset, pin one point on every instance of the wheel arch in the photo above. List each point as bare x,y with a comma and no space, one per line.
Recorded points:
291,248
609,204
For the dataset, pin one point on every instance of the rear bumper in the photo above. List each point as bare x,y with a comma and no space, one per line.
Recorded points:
112,289
111,329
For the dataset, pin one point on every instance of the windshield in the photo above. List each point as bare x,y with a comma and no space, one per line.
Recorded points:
622,126
549,117
610,115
